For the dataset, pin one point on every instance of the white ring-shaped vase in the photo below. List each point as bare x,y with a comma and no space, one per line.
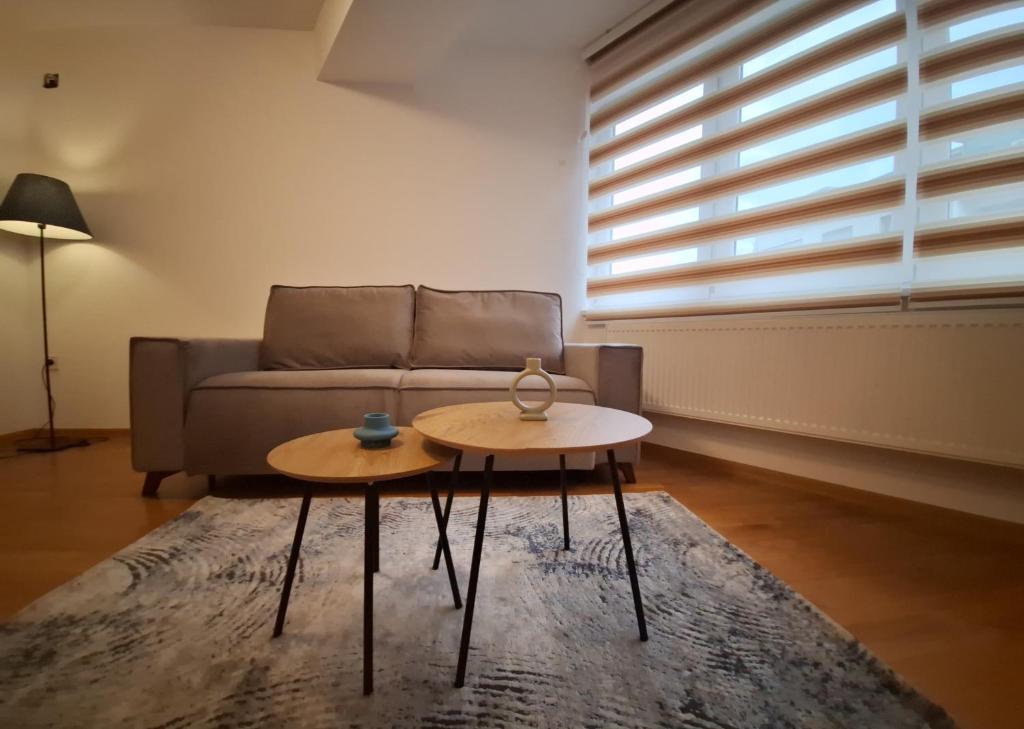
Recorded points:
533,412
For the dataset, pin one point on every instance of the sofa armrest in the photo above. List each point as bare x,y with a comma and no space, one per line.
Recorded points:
162,371
613,371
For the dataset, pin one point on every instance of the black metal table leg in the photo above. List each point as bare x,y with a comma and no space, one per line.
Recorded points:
376,534
565,499
442,540
370,561
474,573
293,559
452,484
628,545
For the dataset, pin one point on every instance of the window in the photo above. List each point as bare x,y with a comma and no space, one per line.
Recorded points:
820,83
655,260
851,154
657,110
662,145
983,23
826,131
822,33
657,185
821,182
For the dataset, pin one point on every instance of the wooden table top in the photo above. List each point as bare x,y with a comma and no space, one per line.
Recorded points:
335,456
495,427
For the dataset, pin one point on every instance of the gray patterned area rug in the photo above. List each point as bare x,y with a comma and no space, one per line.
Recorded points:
174,631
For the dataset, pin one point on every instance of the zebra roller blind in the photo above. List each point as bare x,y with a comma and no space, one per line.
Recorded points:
808,154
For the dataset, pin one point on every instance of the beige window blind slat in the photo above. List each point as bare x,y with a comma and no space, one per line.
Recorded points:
873,196
685,26
858,250
882,85
971,235
953,118
968,56
960,293
887,138
988,171
762,38
886,298
934,12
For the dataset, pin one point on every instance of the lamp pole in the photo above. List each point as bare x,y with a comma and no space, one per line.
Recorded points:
47,362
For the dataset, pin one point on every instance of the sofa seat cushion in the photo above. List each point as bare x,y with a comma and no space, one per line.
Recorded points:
233,420
305,380
423,390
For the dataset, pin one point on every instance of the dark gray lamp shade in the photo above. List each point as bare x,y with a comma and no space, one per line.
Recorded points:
38,199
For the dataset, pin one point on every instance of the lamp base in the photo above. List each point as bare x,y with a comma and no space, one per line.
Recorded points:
45,445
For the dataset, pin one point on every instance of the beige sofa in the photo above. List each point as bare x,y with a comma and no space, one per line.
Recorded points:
330,354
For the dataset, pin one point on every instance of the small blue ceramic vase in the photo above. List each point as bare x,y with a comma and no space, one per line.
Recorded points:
377,431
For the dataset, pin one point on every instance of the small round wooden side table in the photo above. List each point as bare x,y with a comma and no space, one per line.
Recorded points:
494,428
336,457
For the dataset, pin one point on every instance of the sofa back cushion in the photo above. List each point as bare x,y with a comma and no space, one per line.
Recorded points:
336,327
487,329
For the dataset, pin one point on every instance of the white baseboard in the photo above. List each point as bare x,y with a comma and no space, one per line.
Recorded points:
975,488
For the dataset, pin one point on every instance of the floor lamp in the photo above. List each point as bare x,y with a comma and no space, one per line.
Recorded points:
37,204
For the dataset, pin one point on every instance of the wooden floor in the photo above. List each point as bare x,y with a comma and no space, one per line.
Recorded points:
937,595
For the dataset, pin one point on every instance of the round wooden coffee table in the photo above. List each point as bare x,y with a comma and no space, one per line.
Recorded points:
337,457
494,428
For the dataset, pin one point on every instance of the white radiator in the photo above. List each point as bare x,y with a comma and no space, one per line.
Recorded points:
939,382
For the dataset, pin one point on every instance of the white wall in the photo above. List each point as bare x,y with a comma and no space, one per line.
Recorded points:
211,164
23,401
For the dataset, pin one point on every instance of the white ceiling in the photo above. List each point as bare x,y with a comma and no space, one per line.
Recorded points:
394,41
67,14
363,41
541,24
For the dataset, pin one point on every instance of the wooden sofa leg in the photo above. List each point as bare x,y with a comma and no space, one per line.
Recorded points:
628,474
152,482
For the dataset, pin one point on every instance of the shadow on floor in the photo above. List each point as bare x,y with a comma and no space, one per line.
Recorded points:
506,483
